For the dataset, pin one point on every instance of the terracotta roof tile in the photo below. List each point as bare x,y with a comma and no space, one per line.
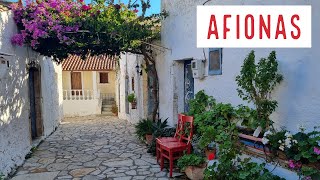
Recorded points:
92,63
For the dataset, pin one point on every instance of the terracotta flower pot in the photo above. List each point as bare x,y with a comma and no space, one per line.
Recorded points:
149,138
195,172
133,105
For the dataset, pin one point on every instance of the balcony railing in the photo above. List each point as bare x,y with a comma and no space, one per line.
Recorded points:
80,95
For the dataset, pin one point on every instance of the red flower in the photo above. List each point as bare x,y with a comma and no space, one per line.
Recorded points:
98,12
211,156
135,10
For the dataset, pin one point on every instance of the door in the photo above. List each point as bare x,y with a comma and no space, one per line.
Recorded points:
35,103
188,85
76,83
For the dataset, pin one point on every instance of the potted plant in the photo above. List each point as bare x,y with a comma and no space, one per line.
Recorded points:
256,83
210,151
132,99
114,109
144,130
193,166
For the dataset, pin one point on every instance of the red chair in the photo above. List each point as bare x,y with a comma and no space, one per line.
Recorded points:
174,150
175,138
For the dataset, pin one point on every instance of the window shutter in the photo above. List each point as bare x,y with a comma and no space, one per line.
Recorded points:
104,78
215,61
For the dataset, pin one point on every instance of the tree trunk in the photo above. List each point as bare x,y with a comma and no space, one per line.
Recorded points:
152,72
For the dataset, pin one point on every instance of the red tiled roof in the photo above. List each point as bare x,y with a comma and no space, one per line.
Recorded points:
5,5
92,63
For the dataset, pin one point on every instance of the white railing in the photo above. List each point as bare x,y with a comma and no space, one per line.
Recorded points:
80,95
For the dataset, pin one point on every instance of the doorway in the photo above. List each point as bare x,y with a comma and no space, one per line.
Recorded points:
188,85
35,103
76,83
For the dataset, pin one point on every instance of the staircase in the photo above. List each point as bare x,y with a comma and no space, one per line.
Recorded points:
106,107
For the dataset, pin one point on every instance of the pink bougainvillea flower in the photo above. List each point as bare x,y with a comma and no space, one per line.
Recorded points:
86,8
307,178
17,39
135,10
316,150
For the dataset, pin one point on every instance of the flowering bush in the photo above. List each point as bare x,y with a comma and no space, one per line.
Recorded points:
60,27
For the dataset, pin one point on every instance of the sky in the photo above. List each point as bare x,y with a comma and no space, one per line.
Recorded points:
154,9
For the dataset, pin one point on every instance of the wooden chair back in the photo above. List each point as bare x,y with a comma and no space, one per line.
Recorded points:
179,129
187,129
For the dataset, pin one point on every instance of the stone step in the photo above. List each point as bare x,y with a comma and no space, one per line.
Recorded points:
106,109
106,106
107,113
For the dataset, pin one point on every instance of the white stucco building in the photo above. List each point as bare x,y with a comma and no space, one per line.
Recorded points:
131,81
30,97
298,95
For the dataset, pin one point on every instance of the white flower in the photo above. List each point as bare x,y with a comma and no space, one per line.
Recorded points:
279,141
267,133
265,140
295,141
281,147
288,135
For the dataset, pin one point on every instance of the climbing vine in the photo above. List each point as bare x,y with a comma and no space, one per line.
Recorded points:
58,28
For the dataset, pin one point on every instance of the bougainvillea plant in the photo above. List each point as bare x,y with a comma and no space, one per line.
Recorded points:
58,28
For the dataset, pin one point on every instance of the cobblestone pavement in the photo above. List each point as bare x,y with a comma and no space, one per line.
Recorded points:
94,147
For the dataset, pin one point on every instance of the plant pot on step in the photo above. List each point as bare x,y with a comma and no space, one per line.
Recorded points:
149,138
134,105
195,172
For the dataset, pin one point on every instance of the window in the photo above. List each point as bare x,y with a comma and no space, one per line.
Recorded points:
104,78
132,83
215,61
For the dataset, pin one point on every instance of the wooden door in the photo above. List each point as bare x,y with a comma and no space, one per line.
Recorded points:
76,83
35,103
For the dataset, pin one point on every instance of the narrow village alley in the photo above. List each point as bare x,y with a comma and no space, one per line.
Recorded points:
91,147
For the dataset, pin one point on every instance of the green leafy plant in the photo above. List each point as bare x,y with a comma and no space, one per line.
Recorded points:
243,170
1,176
131,98
304,150
256,83
160,129
144,127
200,103
190,160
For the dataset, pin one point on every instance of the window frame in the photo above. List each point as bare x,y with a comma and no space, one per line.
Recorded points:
218,71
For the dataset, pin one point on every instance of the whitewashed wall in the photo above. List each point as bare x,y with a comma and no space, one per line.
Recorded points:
127,69
298,95
15,130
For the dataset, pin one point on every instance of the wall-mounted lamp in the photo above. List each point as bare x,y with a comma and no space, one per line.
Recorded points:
139,70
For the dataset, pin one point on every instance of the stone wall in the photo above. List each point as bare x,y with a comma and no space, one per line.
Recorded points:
15,130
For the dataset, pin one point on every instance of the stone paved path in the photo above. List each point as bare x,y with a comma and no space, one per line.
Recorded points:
92,148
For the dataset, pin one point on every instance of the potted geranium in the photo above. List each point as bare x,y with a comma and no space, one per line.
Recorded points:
193,166
144,130
132,99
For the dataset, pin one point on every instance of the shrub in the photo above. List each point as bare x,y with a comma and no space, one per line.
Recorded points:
143,127
190,160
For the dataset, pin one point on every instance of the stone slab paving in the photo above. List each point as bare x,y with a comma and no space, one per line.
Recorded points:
90,148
